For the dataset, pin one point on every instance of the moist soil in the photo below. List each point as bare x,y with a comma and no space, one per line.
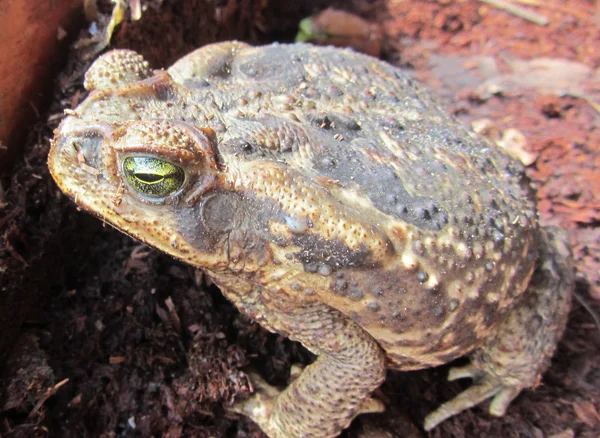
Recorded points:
118,340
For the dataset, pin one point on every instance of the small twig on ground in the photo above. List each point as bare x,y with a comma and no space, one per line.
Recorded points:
49,393
593,104
588,308
543,4
526,14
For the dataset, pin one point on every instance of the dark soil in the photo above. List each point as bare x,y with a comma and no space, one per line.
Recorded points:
120,340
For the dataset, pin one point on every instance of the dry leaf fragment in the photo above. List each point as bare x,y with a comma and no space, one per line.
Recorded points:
135,8
514,143
586,216
116,359
118,15
485,127
567,433
557,76
586,412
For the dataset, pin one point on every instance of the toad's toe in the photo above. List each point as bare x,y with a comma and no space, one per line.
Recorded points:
485,386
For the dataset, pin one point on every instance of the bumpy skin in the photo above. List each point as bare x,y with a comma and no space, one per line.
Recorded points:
334,202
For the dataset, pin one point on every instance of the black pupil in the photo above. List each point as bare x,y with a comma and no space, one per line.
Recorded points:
149,177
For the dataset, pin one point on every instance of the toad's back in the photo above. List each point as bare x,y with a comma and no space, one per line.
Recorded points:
452,211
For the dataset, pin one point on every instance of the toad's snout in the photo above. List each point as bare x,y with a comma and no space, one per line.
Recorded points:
76,156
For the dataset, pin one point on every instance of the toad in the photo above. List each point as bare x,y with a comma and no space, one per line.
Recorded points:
333,201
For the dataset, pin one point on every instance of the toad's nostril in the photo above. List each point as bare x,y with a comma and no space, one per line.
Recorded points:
87,149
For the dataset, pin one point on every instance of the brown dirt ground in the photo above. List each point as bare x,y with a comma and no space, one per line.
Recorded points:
123,341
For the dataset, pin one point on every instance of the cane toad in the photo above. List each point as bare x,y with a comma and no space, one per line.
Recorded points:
333,201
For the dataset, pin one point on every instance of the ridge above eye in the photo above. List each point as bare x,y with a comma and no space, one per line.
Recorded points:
153,177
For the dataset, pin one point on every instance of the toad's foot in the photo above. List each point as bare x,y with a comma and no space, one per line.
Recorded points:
484,387
260,405
520,352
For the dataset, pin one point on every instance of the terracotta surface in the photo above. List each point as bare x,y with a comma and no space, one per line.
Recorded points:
30,33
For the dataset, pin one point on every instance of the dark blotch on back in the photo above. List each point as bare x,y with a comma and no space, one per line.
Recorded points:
334,121
380,183
316,249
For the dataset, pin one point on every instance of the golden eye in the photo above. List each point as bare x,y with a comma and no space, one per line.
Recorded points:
153,177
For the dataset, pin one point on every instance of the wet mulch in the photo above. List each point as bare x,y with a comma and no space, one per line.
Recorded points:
122,341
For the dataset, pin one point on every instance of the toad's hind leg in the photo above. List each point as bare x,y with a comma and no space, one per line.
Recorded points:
328,394
520,352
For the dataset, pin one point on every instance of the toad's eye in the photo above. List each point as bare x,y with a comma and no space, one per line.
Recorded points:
153,177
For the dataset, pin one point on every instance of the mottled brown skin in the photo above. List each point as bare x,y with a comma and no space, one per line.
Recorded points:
333,201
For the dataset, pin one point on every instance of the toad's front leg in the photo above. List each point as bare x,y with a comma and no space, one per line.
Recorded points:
520,352
328,394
